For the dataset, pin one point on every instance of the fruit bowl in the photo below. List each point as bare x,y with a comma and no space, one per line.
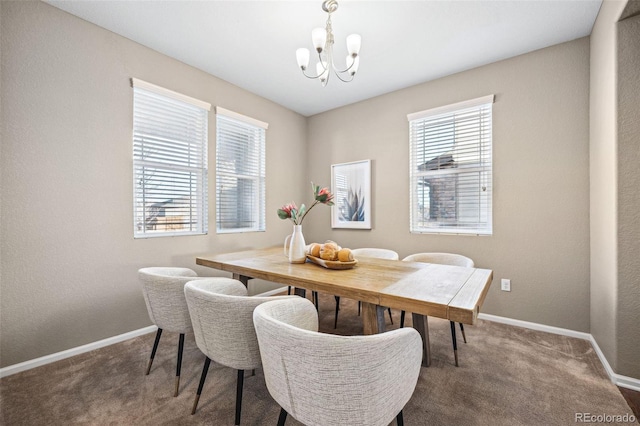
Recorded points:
332,264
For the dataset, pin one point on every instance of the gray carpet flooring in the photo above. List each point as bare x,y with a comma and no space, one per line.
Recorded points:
507,376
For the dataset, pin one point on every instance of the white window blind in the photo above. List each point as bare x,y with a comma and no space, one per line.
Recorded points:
240,172
169,162
450,168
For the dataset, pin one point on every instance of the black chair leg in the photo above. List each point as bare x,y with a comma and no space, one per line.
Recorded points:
282,417
335,322
463,336
179,364
453,339
399,419
402,314
153,351
359,306
314,296
239,395
203,377
390,317
289,291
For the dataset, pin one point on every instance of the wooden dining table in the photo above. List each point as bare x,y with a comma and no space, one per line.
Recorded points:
425,289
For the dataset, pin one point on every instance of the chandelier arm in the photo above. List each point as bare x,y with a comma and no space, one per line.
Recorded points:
344,70
326,80
342,79
310,76
328,53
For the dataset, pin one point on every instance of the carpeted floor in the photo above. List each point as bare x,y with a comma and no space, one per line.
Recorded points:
507,376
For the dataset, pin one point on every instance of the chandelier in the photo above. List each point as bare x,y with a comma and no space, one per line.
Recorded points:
323,43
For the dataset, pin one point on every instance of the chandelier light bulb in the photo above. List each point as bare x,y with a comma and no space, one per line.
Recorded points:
319,38
353,44
302,55
322,70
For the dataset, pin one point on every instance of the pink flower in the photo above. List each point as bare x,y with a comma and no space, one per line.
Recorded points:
324,196
287,211
291,211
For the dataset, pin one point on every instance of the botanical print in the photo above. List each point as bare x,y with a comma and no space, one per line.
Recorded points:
351,184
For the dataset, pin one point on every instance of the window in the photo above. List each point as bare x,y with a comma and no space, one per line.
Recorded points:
240,172
450,168
169,162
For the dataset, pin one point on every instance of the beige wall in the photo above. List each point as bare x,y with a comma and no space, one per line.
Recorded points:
68,256
628,334
615,179
541,178
603,179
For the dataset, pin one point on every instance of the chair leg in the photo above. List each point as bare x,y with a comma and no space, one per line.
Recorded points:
314,296
239,395
399,419
402,314
289,290
179,364
335,322
390,317
453,339
203,377
282,417
462,329
359,306
153,351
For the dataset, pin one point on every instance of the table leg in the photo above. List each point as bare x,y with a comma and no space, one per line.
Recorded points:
420,323
242,278
373,318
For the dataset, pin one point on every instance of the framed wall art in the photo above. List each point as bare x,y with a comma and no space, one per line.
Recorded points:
351,186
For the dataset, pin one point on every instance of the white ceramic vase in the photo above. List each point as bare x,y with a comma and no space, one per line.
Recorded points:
294,246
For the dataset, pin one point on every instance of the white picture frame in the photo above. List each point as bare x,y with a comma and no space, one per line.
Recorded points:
351,187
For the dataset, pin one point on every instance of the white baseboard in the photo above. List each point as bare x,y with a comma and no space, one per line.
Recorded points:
47,359
617,379
536,326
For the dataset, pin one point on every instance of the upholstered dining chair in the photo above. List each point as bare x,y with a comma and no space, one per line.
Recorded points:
222,317
442,259
378,253
324,379
163,291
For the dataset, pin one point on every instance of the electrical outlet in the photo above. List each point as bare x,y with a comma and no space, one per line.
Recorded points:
506,284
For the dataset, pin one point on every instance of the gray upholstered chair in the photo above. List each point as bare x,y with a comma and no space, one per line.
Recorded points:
163,291
324,379
378,253
222,317
442,259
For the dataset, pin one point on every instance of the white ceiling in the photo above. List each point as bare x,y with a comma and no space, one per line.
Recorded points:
252,43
